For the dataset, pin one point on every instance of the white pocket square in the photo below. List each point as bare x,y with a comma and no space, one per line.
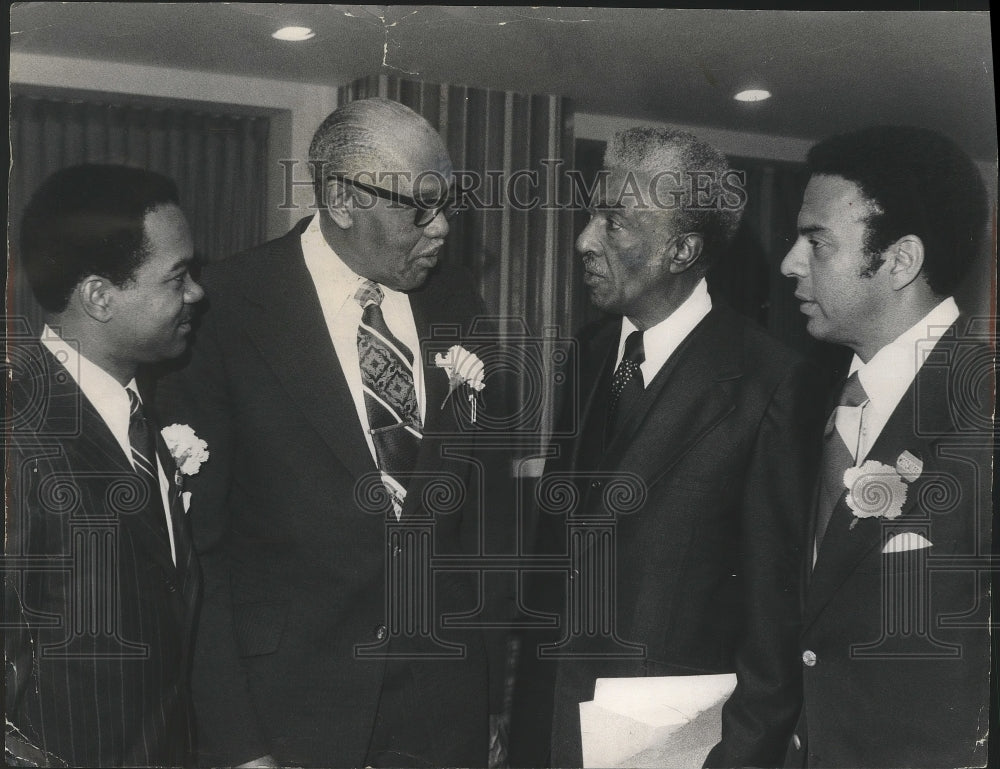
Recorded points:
186,500
908,540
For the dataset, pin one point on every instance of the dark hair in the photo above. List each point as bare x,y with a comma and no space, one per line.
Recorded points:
921,183
88,220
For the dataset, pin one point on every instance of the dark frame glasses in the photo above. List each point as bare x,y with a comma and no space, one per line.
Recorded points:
423,215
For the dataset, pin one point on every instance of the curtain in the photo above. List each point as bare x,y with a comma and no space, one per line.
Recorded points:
750,278
218,161
518,245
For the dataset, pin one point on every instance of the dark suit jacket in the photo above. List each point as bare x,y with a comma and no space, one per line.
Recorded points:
899,639
706,553
98,618
291,524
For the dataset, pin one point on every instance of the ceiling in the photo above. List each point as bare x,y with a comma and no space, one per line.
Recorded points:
828,71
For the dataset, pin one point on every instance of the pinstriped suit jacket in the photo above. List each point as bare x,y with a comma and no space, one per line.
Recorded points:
96,615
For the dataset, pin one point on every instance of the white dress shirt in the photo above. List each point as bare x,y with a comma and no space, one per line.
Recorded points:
112,404
660,341
888,375
336,284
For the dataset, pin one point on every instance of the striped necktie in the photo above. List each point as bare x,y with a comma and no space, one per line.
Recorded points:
142,440
390,397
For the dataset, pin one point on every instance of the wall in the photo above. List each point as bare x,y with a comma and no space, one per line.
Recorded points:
765,146
744,144
295,108
978,293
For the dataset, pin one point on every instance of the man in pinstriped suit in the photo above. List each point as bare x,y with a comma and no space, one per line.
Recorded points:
100,579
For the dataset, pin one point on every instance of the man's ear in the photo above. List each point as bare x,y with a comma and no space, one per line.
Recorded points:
905,260
686,253
96,297
339,204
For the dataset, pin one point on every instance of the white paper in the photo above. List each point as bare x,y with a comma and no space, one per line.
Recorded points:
665,721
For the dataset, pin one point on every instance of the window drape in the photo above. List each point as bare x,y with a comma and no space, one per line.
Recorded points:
519,245
219,162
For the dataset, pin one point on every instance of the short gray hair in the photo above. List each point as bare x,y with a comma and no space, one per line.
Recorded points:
651,150
365,137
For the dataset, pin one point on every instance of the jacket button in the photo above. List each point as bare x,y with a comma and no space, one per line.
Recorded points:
796,742
380,632
809,658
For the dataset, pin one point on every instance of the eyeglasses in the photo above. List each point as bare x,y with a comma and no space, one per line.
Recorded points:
424,213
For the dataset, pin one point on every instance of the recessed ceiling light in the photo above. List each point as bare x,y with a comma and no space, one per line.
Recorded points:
293,33
752,94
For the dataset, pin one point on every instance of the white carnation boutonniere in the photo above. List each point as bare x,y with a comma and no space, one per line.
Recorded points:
463,368
188,450
874,490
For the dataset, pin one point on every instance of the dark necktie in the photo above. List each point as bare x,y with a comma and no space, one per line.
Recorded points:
837,457
390,398
626,384
142,439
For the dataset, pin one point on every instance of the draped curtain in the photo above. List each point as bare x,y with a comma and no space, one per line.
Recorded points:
218,161
518,246
749,277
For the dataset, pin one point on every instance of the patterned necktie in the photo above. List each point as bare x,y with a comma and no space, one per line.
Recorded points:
390,398
626,385
837,457
142,440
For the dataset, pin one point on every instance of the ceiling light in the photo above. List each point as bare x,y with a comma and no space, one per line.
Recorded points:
752,94
294,33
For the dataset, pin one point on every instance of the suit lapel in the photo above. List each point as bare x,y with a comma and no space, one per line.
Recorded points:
185,573
291,334
97,451
424,307
689,396
427,305
843,547
588,448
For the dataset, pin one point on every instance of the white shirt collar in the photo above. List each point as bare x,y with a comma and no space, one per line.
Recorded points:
660,341
103,391
891,371
326,266
111,402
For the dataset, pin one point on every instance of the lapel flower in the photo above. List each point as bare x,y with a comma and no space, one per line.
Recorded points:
463,368
874,490
188,450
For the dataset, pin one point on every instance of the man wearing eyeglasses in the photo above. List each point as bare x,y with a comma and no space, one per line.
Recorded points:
314,383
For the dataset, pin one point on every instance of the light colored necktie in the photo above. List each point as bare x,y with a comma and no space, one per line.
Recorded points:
837,457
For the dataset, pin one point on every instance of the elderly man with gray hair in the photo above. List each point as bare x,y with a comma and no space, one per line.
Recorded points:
704,420
313,381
